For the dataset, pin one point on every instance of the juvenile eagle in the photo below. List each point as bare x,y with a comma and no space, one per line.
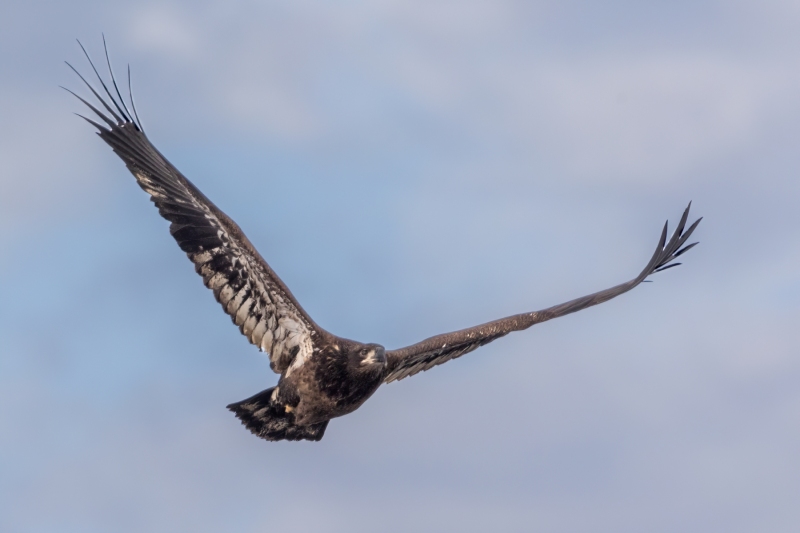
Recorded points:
322,376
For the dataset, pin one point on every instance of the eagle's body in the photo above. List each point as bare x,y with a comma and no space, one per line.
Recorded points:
335,381
322,376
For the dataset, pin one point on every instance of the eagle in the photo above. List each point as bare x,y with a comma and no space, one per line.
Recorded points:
322,375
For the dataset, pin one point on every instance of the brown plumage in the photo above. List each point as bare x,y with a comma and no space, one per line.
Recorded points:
323,376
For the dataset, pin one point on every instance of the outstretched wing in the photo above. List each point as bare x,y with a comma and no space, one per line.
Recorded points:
442,348
250,292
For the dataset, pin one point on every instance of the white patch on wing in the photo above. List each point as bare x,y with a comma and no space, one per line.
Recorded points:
297,336
266,342
264,314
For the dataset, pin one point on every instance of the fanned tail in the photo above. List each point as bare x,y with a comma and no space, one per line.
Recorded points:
268,420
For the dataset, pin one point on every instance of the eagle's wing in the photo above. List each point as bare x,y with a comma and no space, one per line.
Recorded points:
442,348
248,289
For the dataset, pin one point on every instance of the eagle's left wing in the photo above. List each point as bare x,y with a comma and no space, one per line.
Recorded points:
243,283
442,348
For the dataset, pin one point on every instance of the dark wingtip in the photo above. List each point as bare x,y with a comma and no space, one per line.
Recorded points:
668,266
120,110
94,92
127,113
666,252
686,249
93,123
93,108
133,104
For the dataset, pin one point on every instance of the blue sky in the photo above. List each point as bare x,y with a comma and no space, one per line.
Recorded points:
410,168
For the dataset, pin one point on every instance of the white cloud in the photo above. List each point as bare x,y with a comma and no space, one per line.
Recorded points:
634,118
167,29
43,167
611,114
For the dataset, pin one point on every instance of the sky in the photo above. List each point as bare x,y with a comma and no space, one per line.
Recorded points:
410,168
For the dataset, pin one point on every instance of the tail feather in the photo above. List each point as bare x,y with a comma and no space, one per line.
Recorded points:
269,420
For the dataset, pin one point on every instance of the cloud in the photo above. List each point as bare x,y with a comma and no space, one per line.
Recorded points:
643,118
608,114
43,163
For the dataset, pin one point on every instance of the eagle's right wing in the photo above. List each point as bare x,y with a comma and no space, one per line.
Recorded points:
442,348
250,292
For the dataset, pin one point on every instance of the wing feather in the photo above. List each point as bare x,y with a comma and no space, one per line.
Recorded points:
242,282
442,348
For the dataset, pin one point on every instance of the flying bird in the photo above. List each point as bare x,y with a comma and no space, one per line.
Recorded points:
322,375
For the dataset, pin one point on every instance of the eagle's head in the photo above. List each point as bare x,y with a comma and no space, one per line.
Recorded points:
369,356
